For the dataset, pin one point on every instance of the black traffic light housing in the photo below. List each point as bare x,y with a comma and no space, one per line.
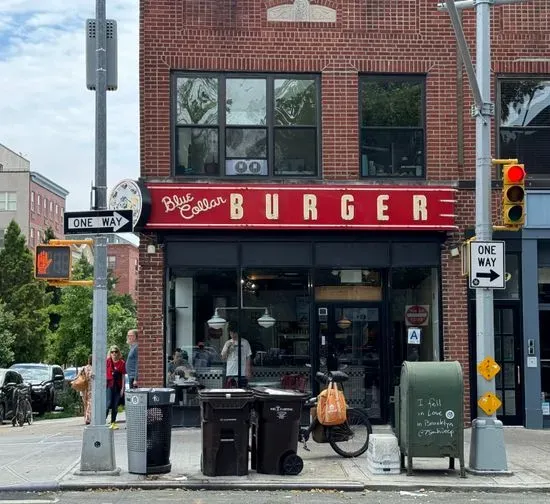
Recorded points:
52,262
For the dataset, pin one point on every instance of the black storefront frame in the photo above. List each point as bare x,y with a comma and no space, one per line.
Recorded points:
398,244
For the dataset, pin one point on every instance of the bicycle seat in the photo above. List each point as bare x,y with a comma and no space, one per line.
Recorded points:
339,376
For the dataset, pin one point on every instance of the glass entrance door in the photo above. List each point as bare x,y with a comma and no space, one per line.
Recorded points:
350,335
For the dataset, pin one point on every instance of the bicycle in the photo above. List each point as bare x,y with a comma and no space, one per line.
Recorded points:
23,408
357,427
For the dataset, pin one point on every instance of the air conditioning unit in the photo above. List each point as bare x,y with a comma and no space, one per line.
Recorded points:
256,167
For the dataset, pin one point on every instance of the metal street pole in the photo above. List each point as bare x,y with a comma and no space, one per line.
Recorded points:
487,449
98,453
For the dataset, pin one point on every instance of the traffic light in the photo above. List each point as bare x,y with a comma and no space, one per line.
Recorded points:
513,196
52,262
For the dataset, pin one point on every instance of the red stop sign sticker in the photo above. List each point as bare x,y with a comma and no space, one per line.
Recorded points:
417,315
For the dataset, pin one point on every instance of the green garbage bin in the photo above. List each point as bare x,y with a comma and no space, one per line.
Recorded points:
431,412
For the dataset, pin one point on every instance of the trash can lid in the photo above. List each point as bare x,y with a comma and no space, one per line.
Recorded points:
229,392
267,393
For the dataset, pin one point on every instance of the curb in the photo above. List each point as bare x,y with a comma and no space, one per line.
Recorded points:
344,486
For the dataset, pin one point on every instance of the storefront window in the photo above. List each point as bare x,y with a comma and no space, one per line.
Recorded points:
414,316
544,336
194,348
279,353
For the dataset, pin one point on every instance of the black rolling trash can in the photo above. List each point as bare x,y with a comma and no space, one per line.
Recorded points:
225,425
275,431
149,429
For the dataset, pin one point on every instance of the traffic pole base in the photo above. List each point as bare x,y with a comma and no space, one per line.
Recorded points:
98,452
487,450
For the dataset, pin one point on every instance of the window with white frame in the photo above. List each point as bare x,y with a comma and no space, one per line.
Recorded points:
32,201
260,125
32,237
38,204
51,208
8,201
524,123
56,209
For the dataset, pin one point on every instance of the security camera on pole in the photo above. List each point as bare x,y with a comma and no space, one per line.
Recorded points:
487,449
98,453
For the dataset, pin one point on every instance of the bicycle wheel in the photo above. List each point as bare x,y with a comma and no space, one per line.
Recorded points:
28,411
351,439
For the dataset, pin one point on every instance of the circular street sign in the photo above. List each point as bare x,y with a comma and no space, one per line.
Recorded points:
416,315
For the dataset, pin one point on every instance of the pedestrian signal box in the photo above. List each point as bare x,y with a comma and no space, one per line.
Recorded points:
52,262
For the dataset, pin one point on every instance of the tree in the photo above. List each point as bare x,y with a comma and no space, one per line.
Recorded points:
48,235
16,262
24,297
72,341
6,336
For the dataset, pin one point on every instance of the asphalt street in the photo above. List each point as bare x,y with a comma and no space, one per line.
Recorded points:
278,497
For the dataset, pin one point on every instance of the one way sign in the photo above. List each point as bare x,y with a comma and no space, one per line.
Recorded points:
487,265
98,221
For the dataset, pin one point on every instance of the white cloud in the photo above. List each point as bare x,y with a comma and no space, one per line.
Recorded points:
46,112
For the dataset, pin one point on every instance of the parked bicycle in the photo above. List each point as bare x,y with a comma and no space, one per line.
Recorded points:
349,439
22,407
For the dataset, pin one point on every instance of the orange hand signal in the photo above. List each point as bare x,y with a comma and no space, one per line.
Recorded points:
43,263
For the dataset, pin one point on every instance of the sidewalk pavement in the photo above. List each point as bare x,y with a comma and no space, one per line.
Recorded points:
45,455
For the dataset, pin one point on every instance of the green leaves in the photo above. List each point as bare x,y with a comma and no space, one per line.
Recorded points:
24,298
6,336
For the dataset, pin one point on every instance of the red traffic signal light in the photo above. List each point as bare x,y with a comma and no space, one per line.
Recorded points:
52,262
513,195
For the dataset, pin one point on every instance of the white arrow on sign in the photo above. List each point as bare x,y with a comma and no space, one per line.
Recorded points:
114,222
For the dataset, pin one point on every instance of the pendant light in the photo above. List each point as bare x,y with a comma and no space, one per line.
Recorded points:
216,322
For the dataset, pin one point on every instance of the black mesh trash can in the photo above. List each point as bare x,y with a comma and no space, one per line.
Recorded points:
275,430
225,425
149,429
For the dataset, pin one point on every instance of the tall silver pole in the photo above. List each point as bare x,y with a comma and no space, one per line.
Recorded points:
98,443
487,450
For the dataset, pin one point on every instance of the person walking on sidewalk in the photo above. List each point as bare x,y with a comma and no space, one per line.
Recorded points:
231,355
87,393
116,369
132,360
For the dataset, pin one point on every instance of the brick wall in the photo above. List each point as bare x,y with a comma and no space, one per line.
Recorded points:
41,221
150,301
125,268
375,36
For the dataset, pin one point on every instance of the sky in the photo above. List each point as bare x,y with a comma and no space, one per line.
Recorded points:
46,112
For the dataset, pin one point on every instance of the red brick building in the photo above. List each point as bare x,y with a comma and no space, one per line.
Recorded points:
244,99
122,261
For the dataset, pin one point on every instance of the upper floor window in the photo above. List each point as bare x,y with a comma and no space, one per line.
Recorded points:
392,115
8,201
56,209
45,207
38,204
255,126
524,123
2,234
32,201
111,262
51,208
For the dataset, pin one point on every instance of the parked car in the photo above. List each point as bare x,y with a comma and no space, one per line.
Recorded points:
9,381
46,381
70,374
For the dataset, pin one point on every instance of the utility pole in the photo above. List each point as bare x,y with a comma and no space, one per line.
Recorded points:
487,448
98,453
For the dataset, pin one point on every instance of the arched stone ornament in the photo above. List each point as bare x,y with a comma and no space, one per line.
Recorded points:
302,10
